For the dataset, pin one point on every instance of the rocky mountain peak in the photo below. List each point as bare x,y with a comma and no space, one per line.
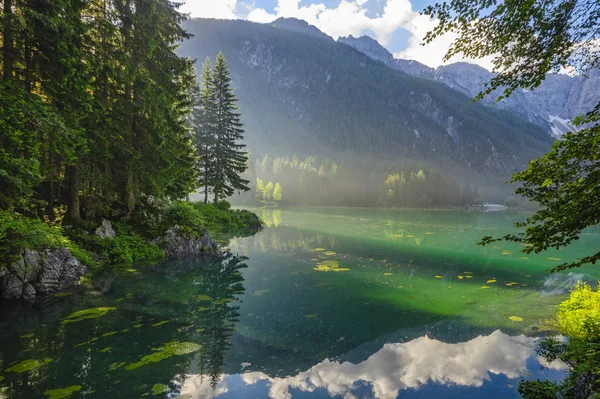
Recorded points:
369,46
300,26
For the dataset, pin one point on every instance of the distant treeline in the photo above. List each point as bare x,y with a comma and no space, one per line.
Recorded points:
291,180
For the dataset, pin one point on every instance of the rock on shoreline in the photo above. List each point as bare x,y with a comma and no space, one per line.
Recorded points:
178,245
40,273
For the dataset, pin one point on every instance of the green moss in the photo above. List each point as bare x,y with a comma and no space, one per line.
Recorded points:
173,348
87,314
62,393
28,365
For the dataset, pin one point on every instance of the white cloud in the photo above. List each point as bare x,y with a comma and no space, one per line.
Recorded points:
349,17
401,366
221,9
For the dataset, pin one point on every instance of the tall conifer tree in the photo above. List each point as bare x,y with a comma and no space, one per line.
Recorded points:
230,157
203,125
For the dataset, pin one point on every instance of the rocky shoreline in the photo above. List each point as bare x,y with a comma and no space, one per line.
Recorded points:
52,270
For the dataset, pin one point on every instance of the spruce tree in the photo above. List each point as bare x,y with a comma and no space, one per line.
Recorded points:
230,157
203,126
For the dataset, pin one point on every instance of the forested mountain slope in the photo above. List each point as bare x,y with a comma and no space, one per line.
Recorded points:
303,92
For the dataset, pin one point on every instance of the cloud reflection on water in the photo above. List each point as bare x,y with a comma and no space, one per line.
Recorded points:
396,367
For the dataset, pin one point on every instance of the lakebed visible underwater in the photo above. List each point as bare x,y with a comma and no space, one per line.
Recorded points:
322,303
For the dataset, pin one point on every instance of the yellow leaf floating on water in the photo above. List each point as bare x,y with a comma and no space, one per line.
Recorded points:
319,249
485,286
387,274
490,281
515,318
429,233
460,277
259,292
329,253
512,283
439,277
330,265
553,258
505,252
468,276
310,316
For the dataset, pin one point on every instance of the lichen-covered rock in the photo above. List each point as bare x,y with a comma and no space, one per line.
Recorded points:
29,291
106,230
60,271
38,273
11,287
177,245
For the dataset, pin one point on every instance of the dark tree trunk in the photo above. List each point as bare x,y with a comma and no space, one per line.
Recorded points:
73,206
8,45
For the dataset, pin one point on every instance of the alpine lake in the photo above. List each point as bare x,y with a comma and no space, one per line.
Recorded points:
322,303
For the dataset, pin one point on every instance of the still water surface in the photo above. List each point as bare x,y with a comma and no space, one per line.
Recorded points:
323,303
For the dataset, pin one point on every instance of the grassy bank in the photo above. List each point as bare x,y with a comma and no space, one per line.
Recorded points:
136,236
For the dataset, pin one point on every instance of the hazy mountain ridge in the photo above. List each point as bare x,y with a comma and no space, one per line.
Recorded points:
559,99
306,92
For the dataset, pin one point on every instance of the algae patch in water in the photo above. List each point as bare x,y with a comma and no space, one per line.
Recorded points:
62,393
160,323
28,365
87,314
173,348
158,389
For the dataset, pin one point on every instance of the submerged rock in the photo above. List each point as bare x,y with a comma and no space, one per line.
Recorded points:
176,244
106,230
37,273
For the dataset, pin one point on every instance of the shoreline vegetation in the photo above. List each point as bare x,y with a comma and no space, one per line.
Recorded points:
100,243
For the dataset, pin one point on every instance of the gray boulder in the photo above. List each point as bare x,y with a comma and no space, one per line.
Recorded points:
38,273
106,230
29,291
178,245
12,287
60,271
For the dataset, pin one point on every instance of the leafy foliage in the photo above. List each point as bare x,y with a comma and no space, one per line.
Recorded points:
579,319
526,39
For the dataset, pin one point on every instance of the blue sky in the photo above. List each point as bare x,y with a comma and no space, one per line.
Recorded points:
396,24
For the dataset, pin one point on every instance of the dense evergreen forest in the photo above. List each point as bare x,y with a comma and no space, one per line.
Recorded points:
97,127
94,106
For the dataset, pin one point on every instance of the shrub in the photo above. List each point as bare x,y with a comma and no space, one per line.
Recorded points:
18,233
224,205
132,248
186,216
578,318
